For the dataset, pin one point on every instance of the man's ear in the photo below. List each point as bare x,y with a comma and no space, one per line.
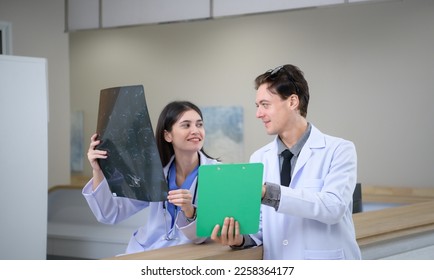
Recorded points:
294,101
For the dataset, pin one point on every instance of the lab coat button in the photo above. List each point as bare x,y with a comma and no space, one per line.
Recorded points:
285,242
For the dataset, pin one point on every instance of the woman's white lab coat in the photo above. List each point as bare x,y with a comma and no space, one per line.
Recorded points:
111,210
314,217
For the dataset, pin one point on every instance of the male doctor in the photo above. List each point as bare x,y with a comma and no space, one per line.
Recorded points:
306,210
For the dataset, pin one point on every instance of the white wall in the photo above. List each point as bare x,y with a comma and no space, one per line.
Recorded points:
369,66
37,29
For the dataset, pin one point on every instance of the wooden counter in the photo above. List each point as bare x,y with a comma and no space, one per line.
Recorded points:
415,217
209,251
395,222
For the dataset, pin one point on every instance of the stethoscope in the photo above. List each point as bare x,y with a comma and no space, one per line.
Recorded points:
171,233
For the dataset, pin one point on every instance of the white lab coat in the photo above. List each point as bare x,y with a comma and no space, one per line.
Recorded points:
111,210
314,217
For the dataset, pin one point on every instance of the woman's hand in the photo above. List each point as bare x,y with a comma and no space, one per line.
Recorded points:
93,155
182,198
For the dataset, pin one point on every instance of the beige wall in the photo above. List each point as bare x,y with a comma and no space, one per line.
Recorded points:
370,68
38,31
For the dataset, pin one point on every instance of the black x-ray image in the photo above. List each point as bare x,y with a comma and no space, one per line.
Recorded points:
133,168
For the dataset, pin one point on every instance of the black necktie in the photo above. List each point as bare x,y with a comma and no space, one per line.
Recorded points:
285,173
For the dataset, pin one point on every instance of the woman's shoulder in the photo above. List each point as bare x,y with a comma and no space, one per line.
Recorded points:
206,159
211,161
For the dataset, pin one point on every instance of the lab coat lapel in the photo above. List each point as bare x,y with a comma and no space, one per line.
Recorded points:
271,163
315,141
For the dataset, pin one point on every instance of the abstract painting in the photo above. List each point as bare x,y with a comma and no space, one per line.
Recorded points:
224,129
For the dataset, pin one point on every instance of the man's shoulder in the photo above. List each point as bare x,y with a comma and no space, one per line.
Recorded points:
264,149
269,146
316,133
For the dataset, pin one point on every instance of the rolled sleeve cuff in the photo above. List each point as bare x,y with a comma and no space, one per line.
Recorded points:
272,195
248,242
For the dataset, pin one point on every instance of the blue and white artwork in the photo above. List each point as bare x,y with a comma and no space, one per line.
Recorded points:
224,130
77,141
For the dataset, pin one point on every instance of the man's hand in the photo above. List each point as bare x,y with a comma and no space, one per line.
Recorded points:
230,233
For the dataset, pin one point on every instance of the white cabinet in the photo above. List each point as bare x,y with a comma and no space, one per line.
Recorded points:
24,157
82,14
239,7
133,12
90,14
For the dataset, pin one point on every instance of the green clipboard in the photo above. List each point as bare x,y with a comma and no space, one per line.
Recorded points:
229,190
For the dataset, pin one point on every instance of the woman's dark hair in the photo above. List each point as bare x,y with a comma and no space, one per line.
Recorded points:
284,81
168,117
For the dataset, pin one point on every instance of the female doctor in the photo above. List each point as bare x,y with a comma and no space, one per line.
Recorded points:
180,135
310,215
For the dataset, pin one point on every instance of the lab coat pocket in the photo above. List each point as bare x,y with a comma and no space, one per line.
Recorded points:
337,254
